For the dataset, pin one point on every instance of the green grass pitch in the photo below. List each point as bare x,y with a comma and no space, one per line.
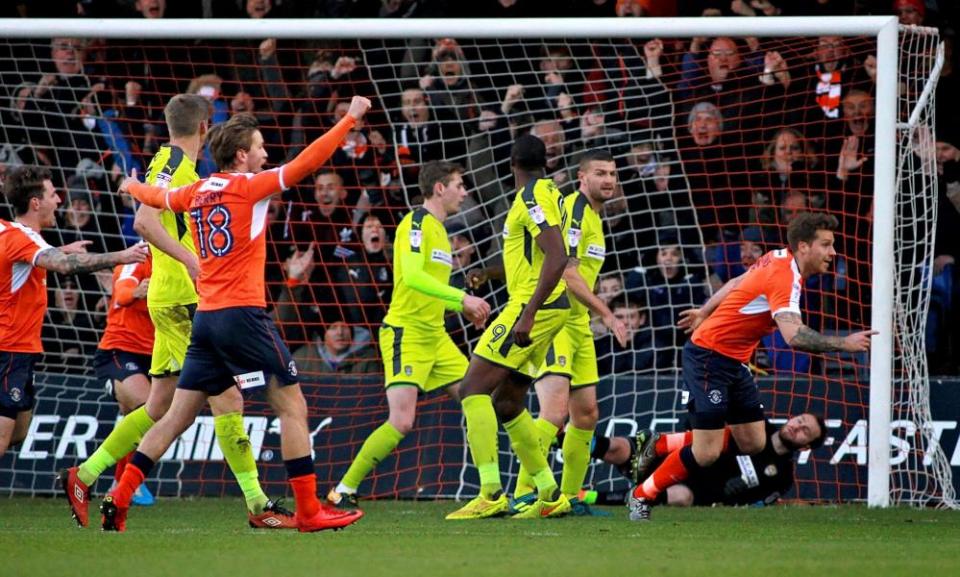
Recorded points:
209,537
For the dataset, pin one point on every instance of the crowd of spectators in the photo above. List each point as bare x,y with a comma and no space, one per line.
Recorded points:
719,142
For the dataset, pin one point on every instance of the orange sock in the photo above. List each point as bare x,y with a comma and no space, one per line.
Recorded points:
128,483
675,468
121,465
305,495
670,442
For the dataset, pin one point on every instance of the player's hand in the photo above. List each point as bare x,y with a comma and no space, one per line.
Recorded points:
126,182
734,487
690,320
522,329
193,269
136,253
141,291
358,107
78,247
476,310
618,328
858,342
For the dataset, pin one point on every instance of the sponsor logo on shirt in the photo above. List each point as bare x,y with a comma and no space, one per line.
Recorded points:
442,257
214,183
596,251
536,213
573,237
416,238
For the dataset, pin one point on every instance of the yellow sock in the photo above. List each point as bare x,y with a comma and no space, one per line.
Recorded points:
525,441
576,459
525,482
482,439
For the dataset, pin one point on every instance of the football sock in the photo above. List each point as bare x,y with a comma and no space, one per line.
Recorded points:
576,459
675,468
375,449
303,480
670,442
139,467
235,446
121,465
525,440
547,432
122,440
482,438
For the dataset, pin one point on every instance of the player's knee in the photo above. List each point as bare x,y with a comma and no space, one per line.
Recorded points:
679,496
290,406
706,456
403,422
505,405
751,446
585,417
556,416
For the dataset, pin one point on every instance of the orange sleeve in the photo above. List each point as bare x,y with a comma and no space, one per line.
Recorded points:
123,291
783,291
130,277
307,162
177,200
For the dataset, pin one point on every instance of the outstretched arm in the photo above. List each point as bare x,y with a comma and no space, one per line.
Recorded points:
147,224
802,337
416,278
56,260
311,158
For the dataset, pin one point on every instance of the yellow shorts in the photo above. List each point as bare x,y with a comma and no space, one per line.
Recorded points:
573,355
172,326
496,344
429,361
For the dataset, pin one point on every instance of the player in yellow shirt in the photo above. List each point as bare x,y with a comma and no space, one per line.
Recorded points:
509,353
172,301
567,380
418,354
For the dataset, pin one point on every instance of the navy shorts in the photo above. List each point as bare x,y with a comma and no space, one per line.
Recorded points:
721,389
116,365
16,383
238,346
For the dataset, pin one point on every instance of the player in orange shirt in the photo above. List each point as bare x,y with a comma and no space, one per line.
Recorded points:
234,344
24,259
122,360
726,330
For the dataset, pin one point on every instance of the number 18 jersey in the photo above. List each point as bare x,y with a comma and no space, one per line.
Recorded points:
228,218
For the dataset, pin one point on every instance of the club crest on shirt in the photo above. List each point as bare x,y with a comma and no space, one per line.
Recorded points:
715,396
131,366
770,470
15,394
573,237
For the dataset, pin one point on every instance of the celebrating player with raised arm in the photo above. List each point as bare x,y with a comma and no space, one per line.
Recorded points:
418,354
512,348
172,302
566,383
726,331
234,343
25,259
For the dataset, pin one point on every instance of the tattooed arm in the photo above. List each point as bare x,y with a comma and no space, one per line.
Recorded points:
58,261
802,337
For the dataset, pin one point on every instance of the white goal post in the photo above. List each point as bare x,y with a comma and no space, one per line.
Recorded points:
884,29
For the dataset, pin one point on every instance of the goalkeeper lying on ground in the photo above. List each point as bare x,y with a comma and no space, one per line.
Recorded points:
734,479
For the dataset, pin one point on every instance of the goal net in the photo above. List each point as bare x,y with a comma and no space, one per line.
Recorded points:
719,142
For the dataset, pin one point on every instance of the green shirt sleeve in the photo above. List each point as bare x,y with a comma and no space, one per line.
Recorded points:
416,278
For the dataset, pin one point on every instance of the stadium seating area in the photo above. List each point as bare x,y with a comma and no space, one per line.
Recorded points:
719,142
